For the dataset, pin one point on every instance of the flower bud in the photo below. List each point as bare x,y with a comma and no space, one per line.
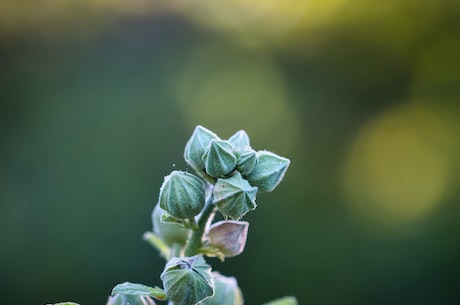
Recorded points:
171,233
182,195
196,145
187,280
219,158
123,299
226,292
239,139
269,171
234,196
247,159
229,237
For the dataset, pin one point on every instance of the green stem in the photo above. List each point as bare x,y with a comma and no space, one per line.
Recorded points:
194,243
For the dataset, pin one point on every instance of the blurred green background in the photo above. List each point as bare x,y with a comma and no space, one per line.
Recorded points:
99,97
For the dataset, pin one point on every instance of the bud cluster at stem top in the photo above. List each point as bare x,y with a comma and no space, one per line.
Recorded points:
236,169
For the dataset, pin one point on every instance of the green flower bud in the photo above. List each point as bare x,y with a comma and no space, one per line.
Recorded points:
234,196
269,171
227,291
219,158
229,237
247,159
187,280
171,233
182,195
239,139
125,299
196,146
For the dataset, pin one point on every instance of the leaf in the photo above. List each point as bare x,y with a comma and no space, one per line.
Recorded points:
283,301
66,303
139,289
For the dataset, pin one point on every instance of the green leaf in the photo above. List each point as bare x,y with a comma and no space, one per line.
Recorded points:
66,303
126,299
283,301
139,289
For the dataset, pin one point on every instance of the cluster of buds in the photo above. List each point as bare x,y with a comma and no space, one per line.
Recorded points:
232,166
228,176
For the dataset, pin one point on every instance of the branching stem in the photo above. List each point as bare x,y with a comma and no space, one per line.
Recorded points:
206,216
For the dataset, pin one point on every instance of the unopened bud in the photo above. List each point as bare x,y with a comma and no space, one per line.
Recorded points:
269,171
239,139
247,159
187,280
234,196
219,158
182,195
226,292
229,237
196,147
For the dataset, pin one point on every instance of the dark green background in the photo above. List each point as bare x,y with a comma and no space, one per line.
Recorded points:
97,105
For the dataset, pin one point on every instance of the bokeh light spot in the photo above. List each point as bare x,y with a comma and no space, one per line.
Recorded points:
395,173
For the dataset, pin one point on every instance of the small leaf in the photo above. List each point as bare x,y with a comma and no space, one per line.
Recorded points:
283,301
187,280
66,303
126,299
139,289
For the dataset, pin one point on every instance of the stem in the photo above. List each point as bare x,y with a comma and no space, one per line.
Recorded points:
206,215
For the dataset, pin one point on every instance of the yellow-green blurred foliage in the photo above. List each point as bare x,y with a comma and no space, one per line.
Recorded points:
99,97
